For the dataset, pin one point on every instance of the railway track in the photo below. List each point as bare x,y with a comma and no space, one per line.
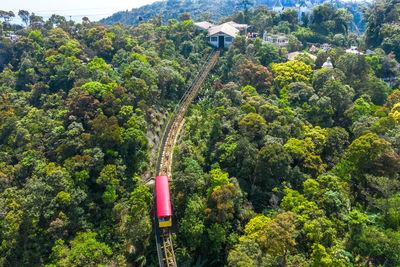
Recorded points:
165,250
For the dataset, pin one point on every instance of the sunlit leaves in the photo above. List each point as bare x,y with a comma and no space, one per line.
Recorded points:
292,71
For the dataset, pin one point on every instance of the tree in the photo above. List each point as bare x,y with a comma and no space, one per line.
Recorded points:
305,152
134,149
221,206
278,237
184,16
6,15
341,97
272,166
391,43
169,80
106,131
104,47
384,189
81,105
291,71
339,40
331,193
326,19
378,18
97,89
204,16
268,53
320,257
36,36
290,15
304,34
24,15
255,75
35,21
192,224
365,150
299,93
140,201
84,250
245,254
337,140
303,57
376,245
252,126
217,180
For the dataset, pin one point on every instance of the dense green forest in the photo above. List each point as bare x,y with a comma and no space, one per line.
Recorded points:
216,9
280,163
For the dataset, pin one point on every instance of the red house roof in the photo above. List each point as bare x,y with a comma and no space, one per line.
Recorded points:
163,197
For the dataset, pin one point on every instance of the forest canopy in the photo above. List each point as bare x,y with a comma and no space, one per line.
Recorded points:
280,162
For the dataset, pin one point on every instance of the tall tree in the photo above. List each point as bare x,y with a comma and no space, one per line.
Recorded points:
24,15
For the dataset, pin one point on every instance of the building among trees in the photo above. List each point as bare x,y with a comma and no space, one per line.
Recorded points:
353,50
293,55
278,40
222,36
326,47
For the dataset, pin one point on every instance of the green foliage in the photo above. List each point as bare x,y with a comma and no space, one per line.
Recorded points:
76,132
381,28
252,125
267,54
255,75
292,71
84,250
364,151
137,56
98,64
312,154
71,48
249,90
306,59
326,19
97,89
35,35
63,197
217,180
141,199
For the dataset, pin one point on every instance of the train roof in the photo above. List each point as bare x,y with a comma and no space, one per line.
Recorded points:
163,197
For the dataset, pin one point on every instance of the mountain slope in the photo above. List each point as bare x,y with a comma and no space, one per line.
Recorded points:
171,10
209,9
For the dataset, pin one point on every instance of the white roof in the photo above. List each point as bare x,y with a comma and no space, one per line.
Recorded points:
223,28
205,25
292,55
237,25
353,50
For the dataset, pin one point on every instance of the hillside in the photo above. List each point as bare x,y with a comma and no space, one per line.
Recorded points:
213,10
278,163
172,9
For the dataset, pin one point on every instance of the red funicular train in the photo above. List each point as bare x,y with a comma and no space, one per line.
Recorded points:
164,211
